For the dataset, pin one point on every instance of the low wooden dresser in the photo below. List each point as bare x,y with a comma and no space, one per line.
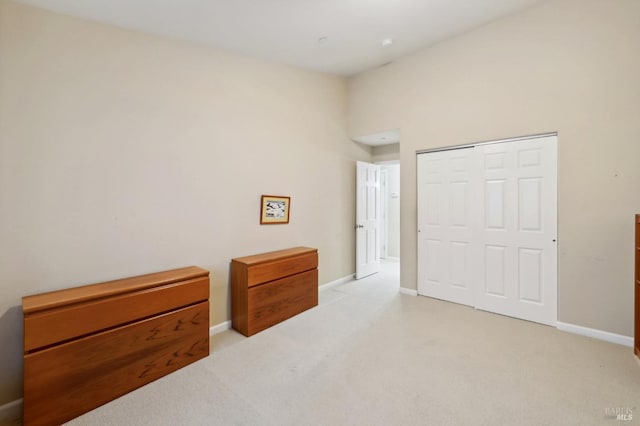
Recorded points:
270,287
86,346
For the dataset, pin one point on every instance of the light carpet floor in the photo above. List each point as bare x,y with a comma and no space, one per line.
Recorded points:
368,355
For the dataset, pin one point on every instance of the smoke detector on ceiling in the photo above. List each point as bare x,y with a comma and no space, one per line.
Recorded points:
387,42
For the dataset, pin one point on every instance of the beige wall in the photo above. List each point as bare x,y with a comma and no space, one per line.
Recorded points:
389,152
123,154
569,66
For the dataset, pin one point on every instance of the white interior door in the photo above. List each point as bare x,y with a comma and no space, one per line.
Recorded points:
445,225
487,227
517,270
367,219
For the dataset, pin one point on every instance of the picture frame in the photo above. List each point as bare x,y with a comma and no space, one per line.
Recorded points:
274,209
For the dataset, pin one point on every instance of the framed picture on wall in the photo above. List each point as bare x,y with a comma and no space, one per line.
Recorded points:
274,209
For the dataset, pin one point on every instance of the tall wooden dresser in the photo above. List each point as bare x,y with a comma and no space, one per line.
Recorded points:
637,288
270,287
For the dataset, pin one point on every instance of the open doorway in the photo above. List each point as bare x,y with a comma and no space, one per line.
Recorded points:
385,168
390,210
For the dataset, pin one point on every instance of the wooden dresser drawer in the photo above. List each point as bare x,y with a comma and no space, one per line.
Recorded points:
67,380
278,300
269,271
57,325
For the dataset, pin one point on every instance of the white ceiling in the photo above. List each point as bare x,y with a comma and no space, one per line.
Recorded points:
288,31
387,137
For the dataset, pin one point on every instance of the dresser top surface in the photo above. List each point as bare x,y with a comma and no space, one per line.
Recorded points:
55,299
274,255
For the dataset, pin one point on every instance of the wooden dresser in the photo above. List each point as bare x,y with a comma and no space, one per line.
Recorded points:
637,288
88,345
271,287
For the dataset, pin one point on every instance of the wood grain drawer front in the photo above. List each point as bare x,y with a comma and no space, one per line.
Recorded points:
278,300
72,378
58,325
265,272
86,293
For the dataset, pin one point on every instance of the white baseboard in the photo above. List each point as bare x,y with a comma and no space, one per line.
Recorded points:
408,291
334,283
219,328
11,410
596,334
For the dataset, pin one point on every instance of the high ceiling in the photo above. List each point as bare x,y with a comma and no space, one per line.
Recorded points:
336,36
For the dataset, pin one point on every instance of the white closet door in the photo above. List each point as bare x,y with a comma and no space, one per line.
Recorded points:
445,228
517,268
487,227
